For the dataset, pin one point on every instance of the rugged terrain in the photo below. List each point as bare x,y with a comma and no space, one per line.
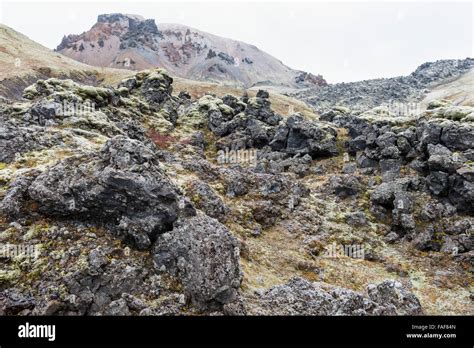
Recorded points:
145,194
132,42
134,213
25,61
443,79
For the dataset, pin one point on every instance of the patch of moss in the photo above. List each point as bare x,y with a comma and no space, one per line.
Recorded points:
9,276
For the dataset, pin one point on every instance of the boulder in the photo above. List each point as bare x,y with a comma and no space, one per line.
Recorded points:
344,185
122,188
204,198
204,255
438,183
299,136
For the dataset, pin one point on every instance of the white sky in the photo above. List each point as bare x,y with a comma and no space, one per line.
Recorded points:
343,41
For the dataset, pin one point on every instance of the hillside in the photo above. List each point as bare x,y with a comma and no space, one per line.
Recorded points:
23,61
221,205
460,91
142,193
438,78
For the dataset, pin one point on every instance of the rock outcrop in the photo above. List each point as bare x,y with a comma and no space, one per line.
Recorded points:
205,256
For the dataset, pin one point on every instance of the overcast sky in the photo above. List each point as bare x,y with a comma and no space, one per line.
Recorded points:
342,41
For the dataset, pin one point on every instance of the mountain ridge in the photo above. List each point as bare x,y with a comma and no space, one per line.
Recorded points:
132,42
366,94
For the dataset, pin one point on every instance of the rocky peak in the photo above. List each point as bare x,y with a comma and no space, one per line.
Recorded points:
133,42
118,17
310,79
132,23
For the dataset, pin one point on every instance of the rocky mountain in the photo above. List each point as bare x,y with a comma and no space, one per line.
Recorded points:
24,62
132,42
364,95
